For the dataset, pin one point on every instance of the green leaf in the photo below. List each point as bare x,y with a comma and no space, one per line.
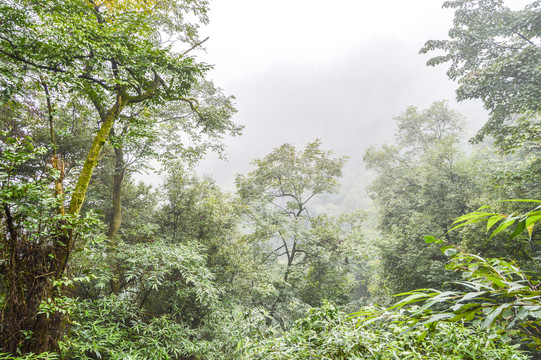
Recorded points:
437,317
489,320
521,226
468,315
469,222
530,222
503,226
450,251
472,295
416,297
493,220
431,239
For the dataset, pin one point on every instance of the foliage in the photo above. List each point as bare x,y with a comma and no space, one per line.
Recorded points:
422,182
157,277
498,290
30,356
192,275
140,209
115,328
328,333
32,230
326,271
195,210
151,300
92,91
309,262
522,221
494,53
178,131
114,59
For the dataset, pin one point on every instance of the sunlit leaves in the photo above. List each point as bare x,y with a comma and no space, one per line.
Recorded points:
125,5
86,48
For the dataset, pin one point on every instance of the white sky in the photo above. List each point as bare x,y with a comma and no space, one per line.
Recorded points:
249,36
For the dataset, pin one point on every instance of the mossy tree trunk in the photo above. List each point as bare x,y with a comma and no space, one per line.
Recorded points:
32,269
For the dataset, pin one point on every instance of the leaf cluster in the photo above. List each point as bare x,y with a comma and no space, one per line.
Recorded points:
494,53
329,333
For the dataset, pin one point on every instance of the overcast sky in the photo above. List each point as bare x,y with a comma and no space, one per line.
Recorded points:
306,69
247,37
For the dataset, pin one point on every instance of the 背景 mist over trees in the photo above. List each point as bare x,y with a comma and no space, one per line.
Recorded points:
371,207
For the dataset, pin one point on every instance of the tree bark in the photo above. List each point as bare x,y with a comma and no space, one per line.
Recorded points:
118,177
91,161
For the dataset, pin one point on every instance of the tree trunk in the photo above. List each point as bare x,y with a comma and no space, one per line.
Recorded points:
91,161
118,177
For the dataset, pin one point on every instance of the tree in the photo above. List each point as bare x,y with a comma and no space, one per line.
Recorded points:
278,195
196,211
115,58
494,54
421,183
332,260
171,133
280,189
173,279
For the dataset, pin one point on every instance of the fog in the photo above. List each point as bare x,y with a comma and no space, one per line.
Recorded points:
303,69
348,103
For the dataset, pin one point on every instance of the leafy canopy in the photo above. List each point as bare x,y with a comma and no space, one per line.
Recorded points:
494,53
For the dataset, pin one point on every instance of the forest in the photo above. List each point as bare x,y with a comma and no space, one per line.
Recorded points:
97,264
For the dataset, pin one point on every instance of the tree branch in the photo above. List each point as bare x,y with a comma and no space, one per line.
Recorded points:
525,38
193,47
11,227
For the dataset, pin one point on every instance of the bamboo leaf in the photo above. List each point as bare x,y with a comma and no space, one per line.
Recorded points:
437,317
504,225
489,320
493,220
521,226
472,295
410,299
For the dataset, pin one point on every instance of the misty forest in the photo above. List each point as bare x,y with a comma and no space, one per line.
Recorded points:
433,254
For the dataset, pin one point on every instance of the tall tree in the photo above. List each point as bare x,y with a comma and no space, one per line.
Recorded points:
168,134
278,195
422,184
115,57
